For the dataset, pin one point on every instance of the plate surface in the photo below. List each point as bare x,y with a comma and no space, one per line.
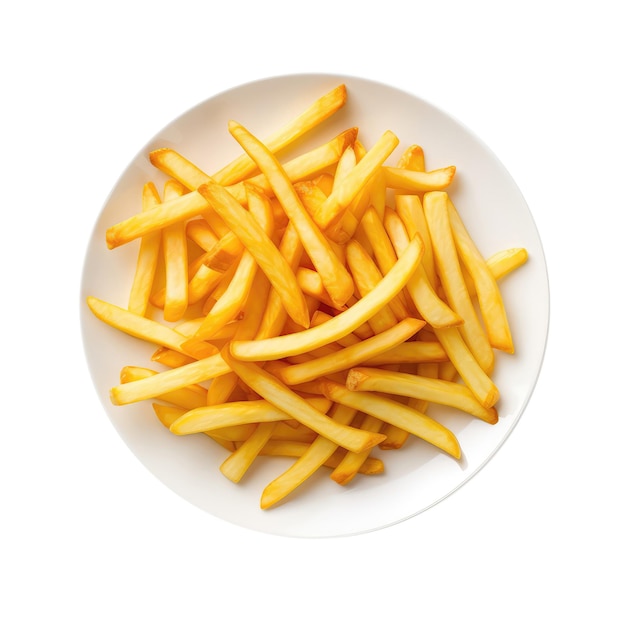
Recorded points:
416,477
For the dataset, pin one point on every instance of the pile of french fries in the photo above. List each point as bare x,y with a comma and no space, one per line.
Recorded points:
311,307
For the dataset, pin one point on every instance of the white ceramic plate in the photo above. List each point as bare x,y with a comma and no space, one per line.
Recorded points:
416,477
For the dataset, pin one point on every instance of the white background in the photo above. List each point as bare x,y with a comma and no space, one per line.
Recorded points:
88,536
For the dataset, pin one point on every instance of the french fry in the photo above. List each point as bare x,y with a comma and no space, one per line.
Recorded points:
273,447
147,258
226,437
504,262
222,387
420,387
274,316
190,397
234,297
340,298
453,283
352,462
274,391
202,282
467,366
413,159
261,247
170,358
226,251
199,231
302,167
314,115
346,163
421,291
176,166
316,455
411,212
336,278
175,254
165,214
312,285
340,325
198,371
488,293
366,276
348,357
410,352
146,329
397,414
412,181
354,181
206,418
238,463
